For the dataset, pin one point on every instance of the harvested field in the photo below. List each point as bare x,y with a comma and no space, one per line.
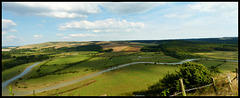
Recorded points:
133,49
103,42
55,44
6,49
116,48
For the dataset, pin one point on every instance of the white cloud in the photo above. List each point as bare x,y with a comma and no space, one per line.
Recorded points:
44,21
59,34
4,32
228,11
213,6
13,30
108,25
53,9
37,36
79,10
178,15
7,24
129,7
66,38
81,35
11,36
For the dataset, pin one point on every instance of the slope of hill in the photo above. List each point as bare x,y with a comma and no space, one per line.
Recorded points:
55,44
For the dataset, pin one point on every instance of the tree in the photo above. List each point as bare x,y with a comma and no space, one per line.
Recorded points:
193,74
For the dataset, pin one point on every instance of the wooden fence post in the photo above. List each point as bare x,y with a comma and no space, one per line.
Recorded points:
237,74
182,86
34,93
214,86
229,82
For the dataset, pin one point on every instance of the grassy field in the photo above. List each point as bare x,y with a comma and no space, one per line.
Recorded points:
11,72
82,69
225,67
50,66
209,63
229,55
5,60
153,57
119,82
228,67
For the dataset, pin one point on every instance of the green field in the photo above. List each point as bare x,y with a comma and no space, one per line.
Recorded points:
209,63
5,60
9,73
82,69
66,66
228,67
228,55
119,82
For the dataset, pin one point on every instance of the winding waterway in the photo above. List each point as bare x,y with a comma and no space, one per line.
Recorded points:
5,91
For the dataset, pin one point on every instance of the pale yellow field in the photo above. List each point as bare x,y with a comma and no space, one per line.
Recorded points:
133,49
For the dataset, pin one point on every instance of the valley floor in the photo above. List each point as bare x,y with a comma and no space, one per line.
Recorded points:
70,66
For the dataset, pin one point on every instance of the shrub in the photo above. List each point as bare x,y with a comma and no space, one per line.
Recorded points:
193,75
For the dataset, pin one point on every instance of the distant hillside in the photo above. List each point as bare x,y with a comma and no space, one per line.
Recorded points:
9,46
130,45
227,40
54,44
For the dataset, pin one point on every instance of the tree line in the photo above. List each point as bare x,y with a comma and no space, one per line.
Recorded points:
23,60
183,49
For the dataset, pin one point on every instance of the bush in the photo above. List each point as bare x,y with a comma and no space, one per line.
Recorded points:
193,75
214,69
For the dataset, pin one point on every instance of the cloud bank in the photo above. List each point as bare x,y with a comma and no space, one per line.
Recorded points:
79,10
107,25
7,24
53,9
129,7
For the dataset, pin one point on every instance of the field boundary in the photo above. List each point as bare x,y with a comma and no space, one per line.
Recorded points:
86,84
228,78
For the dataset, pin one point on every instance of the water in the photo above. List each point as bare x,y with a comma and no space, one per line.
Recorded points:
4,84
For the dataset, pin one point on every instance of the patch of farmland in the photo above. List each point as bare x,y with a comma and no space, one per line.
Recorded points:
133,49
229,55
118,82
6,49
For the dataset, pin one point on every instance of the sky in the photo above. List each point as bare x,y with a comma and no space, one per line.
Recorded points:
25,23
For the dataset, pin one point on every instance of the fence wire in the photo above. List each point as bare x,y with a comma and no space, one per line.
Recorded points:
177,93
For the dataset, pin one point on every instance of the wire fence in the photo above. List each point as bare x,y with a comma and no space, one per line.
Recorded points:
177,93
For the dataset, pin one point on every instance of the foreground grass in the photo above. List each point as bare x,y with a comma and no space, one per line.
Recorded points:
118,82
224,67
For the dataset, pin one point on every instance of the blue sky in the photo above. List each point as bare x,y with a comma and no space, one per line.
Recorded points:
26,23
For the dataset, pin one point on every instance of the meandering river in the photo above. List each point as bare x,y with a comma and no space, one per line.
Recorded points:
5,91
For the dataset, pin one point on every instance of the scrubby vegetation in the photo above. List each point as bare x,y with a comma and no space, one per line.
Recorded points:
90,47
108,50
193,75
183,49
6,55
